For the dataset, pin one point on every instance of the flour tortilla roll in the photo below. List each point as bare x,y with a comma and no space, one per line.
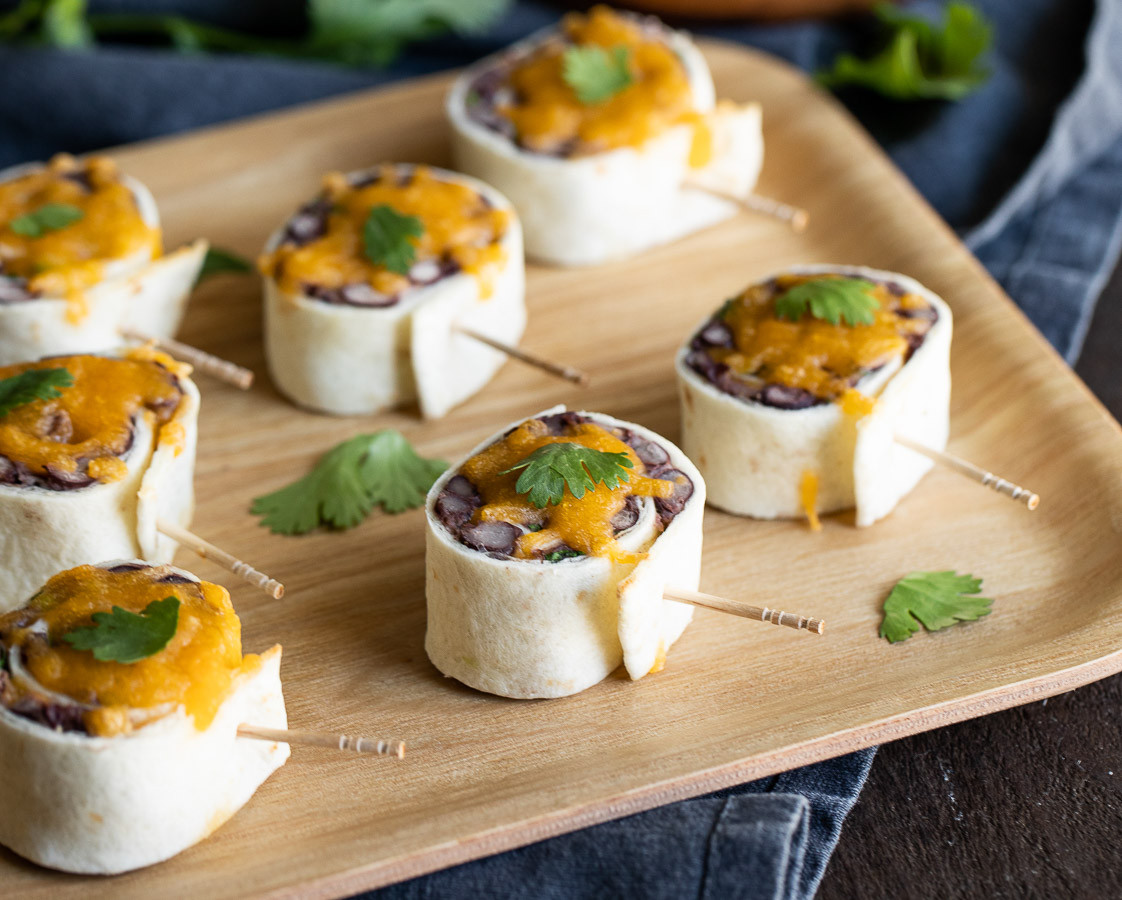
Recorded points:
603,181
74,288
349,336
768,441
113,766
85,476
526,602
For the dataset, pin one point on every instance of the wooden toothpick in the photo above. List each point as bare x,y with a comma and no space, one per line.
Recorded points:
795,216
745,610
224,559
567,372
973,472
321,739
222,369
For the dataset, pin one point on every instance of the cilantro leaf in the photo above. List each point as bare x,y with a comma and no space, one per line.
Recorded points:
371,32
549,469
832,299
934,599
920,61
558,555
218,260
595,74
32,385
125,637
385,238
348,482
48,217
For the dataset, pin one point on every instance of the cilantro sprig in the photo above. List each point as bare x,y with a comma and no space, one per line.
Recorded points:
127,637
935,600
48,217
831,299
218,261
551,468
386,238
921,61
348,32
32,385
596,74
348,482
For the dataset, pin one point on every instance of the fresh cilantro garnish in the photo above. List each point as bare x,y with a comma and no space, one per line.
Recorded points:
921,61
934,599
726,308
551,467
832,299
596,74
125,637
348,32
348,482
48,217
218,260
32,385
386,238
558,555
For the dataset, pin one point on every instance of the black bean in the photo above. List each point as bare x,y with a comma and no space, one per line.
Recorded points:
492,537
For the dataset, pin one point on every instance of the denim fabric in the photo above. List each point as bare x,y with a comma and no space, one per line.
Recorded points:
1029,168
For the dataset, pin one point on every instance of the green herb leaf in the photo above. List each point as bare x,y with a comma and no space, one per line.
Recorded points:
64,24
386,238
125,637
32,385
558,555
371,32
218,260
934,599
920,61
48,217
595,74
549,469
348,482
832,299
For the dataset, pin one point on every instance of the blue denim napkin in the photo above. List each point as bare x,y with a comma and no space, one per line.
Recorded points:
1029,169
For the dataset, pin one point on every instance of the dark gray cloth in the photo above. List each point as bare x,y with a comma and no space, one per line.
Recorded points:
1029,169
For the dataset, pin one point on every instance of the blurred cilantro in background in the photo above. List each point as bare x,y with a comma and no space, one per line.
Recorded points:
921,61
354,32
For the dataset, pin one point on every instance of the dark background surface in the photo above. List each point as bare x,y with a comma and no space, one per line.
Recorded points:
1024,803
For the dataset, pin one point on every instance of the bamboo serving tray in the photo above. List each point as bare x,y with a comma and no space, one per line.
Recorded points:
738,699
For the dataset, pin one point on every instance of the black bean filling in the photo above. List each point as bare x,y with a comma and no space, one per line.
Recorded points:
715,333
310,224
491,89
54,479
459,500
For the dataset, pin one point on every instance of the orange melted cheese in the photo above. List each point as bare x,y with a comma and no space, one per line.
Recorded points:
548,116
196,669
584,525
810,353
90,422
66,261
458,223
808,497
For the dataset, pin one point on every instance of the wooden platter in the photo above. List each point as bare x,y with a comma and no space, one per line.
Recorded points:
737,700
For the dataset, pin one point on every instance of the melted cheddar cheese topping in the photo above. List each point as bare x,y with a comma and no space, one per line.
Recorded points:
195,670
810,353
584,525
90,423
459,225
548,117
64,262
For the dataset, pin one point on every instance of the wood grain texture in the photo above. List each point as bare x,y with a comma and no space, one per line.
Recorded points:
484,774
